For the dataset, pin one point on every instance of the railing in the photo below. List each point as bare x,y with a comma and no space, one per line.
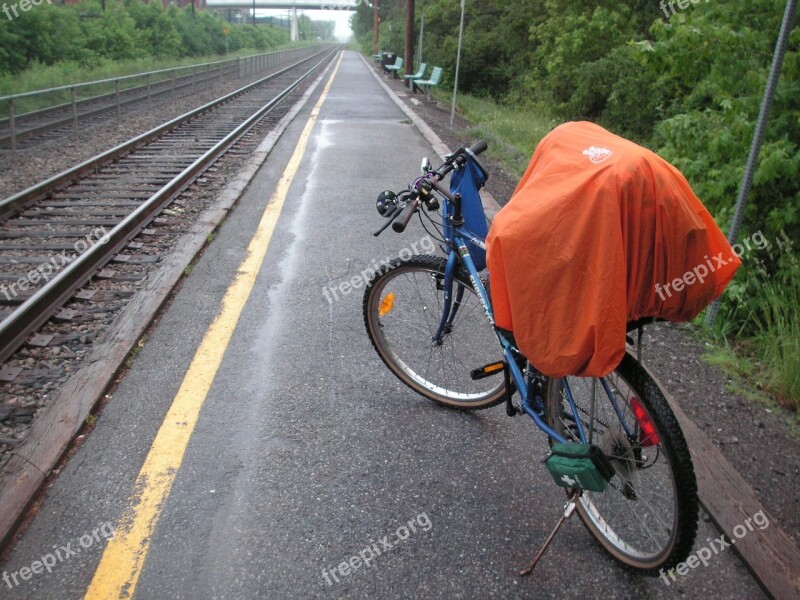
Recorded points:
57,107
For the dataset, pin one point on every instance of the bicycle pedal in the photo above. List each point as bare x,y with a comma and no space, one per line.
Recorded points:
487,370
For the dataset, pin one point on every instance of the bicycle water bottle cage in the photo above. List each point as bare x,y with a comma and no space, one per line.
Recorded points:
579,466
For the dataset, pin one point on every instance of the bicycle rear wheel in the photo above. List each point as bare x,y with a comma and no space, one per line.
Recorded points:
647,517
403,306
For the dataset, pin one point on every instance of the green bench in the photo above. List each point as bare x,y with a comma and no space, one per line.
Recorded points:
418,75
427,84
395,68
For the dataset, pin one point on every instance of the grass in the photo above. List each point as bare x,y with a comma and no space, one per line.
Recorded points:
745,372
777,342
512,132
768,358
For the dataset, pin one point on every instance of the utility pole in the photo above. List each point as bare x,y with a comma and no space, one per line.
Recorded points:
408,57
458,62
254,13
421,33
376,11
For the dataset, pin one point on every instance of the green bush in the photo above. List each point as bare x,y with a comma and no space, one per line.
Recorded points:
88,36
688,85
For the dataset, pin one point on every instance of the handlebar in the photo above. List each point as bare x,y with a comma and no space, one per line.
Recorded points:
459,158
400,224
478,147
423,186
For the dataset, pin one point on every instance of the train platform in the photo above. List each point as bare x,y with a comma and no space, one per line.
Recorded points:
256,447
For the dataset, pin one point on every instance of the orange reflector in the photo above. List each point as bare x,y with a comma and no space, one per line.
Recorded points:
387,304
647,431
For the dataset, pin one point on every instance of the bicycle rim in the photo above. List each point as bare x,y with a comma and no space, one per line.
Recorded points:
402,310
637,518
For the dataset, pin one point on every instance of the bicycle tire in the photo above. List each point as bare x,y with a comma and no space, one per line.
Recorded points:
471,340
683,528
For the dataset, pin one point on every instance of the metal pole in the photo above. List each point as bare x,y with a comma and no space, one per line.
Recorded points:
294,26
458,63
254,13
116,94
148,89
12,126
74,109
421,33
376,23
758,139
408,54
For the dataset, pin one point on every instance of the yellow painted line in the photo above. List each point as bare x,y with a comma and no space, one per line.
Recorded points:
124,556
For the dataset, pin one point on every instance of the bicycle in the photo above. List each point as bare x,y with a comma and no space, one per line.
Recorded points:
420,317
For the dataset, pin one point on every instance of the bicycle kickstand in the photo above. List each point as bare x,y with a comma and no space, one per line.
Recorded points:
569,508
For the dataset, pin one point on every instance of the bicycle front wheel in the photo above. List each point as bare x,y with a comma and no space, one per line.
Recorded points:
647,517
403,306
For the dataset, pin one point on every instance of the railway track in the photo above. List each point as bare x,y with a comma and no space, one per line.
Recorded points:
26,130
77,245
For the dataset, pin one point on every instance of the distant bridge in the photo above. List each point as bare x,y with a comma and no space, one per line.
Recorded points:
291,5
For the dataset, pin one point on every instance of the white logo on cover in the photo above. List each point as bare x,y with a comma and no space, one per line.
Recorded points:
598,155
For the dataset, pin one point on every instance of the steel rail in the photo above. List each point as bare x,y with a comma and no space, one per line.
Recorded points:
36,310
33,124
37,192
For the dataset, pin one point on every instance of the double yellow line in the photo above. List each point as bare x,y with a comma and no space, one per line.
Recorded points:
124,556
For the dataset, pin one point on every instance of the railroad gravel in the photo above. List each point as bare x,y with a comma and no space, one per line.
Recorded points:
36,163
46,369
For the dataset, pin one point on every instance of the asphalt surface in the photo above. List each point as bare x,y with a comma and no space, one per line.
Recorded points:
308,451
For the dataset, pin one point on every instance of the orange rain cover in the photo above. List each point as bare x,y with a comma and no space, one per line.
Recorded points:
599,232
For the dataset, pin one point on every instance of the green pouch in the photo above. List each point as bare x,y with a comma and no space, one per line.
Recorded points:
579,466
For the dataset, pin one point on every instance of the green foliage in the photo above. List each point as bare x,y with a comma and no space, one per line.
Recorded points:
88,36
688,85
778,338
316,30
512,134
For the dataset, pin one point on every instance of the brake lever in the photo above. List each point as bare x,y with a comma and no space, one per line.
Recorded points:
390,220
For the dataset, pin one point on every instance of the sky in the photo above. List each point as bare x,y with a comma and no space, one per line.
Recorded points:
341,17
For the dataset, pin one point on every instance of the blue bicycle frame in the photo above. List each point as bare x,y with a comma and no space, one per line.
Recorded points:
531,402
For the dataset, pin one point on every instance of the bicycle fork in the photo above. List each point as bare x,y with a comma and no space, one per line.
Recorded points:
450,308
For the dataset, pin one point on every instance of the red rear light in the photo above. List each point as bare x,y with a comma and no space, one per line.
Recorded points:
647,431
